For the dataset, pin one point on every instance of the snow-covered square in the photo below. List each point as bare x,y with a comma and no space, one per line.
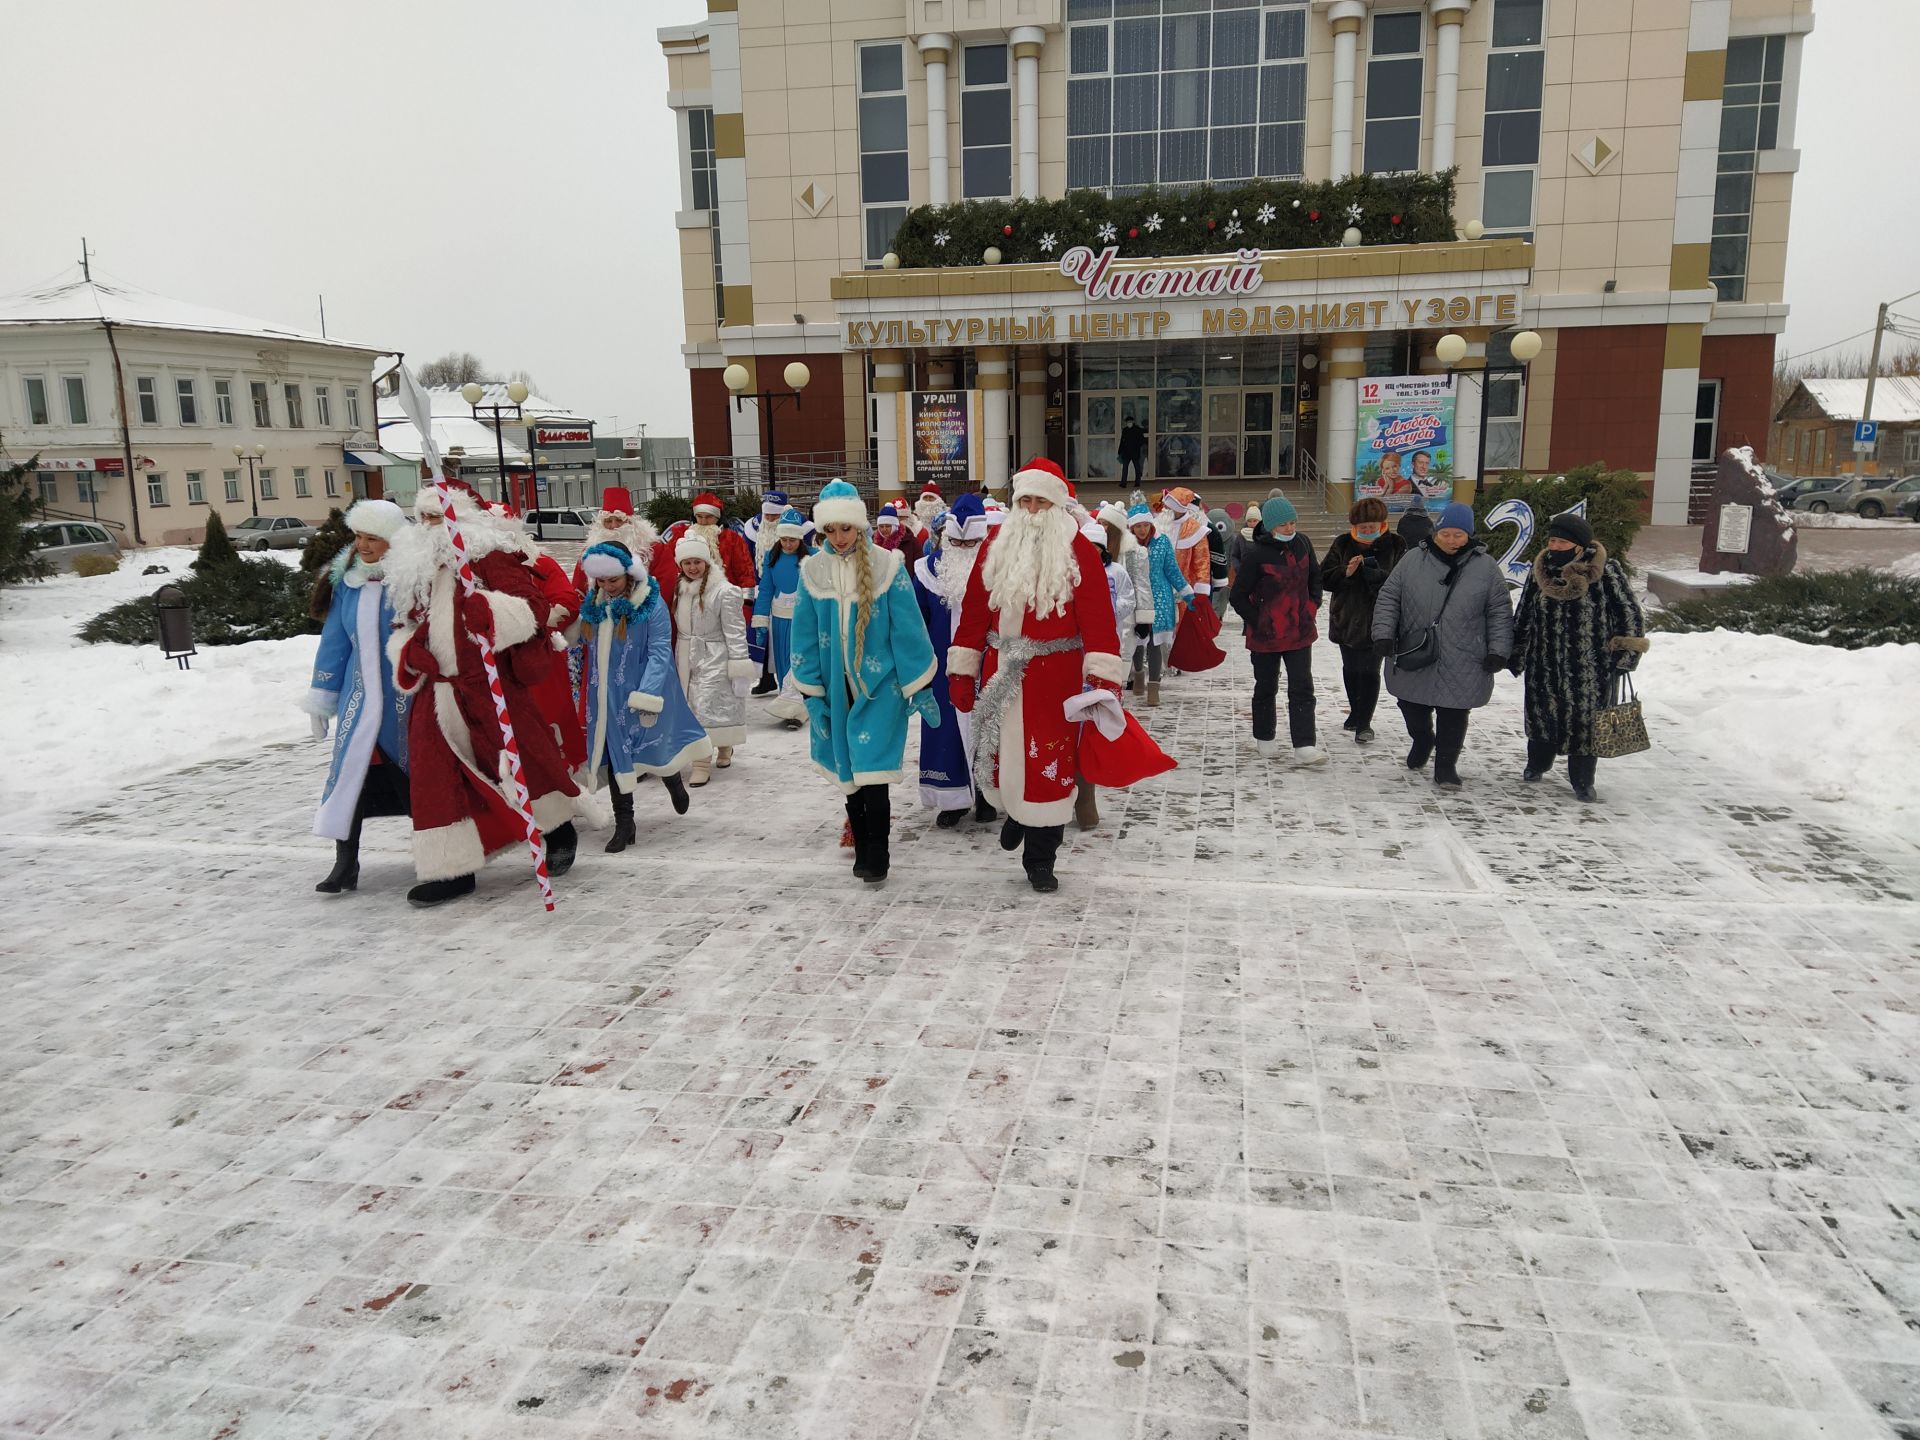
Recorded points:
1314,1104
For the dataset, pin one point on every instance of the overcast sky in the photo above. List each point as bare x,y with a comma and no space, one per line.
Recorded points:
502,178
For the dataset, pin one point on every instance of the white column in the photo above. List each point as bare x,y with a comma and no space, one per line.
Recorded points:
934,50
889,380
991,368
1448,17
1026,42
1345,17
1343,361
1032,390
1469,400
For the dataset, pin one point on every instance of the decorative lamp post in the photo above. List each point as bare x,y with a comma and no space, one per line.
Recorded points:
173,624
473,393
1451,349
737,380
253,455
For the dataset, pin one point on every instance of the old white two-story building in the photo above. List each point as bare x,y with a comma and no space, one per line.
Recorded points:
136,405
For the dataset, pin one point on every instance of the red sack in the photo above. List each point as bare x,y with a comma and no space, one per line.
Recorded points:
1118,763
1193,648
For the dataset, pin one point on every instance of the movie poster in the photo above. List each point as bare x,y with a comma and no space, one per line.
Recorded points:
939,419
1404,441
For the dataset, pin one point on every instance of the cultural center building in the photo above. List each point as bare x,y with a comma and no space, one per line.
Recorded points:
1219,236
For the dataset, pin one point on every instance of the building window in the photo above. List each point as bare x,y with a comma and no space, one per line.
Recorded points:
1505,381
85,490
75,389
196,487
323,406
352,393
157,489
230,479
883,146
188,402
1159,95
296,420
1911,447
262,410
1749,123
1706,419
147,391
1395,76
1510,144
38,412
986,124
719,276
702,164
333,485
223,402
49,489
266,485
301,489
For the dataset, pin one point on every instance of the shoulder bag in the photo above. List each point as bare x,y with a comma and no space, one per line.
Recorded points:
1618,726
1426,650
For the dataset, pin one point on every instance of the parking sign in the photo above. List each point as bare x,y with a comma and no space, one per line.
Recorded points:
1866,434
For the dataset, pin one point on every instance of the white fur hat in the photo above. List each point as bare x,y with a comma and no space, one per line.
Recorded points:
382,518
428,502
1112,513
1095,532
691,547
605,560
839,504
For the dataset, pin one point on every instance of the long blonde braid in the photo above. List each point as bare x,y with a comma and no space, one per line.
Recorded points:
863,573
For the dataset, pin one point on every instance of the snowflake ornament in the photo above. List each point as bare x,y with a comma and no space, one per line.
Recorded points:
1154,221
1048,241
1353,214
940,238
1108,232
1265,214
1233,228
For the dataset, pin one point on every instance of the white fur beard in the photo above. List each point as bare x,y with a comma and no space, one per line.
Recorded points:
710,534
418,553
1030,565
950,577
636,534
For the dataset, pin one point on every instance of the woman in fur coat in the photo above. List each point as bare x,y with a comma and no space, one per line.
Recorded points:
1577,628
710,652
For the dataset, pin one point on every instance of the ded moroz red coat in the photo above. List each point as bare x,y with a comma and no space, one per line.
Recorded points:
1037,770
461,809
541,664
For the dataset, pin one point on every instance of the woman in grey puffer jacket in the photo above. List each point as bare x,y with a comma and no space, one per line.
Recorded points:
1449,581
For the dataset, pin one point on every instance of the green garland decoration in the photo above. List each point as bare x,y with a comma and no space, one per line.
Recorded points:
1260,215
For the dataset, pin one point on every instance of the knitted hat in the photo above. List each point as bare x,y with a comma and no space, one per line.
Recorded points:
1041,477
691,547
610,558
793,525
1457,516
1277,512
967,520
381,518
1568,526
707,500
839,504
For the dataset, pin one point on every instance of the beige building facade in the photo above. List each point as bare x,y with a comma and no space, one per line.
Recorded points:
1624,174
193,385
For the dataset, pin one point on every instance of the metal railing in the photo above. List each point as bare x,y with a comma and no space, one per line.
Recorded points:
800,476
47,513
1700,483
1309,476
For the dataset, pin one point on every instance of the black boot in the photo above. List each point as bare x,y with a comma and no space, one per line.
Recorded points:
1445,775
438,892
857,822
677,792
767,684
1043,844
1012,832
346,866
623,832
879,820
1420,732
563,844
1540,755
1581,770
949,819
982,811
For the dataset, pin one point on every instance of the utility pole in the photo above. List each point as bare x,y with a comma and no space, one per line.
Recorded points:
1873,374
86,266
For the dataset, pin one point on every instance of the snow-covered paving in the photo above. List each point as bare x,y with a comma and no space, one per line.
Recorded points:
1315,1104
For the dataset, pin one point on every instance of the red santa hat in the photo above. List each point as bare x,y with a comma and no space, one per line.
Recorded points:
617,499
1041,477
707,500
931,491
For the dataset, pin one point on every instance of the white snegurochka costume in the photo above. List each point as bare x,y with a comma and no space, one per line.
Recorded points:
710,648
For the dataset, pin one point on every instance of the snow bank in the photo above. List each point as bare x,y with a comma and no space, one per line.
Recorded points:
82,719
1830,725
1842,520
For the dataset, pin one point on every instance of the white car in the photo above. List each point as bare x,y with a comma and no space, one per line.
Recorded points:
563,524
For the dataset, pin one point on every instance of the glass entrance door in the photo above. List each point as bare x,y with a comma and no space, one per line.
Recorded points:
1106,418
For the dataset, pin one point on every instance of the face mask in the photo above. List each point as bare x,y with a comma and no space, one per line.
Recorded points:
1370,534
1284,533
1558,560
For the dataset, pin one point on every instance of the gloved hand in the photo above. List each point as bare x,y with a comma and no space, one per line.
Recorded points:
1384,649
1626,660
926,707
417,657
818,716
1493,664
1144,630
960,690
742,688
477,615
319,726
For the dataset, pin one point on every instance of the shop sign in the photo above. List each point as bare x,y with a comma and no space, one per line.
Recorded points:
1404,441
557,439
1095,273
939,437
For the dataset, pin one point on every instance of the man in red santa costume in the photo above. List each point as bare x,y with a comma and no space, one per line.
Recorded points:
618,525
929,507
729,548
457,779
1036,628
541,664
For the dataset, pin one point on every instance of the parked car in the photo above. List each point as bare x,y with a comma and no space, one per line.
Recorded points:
1875,501
272,532
59,542
1909,508
558,524
1840,495
1789,488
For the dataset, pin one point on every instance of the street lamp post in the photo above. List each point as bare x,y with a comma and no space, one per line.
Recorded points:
516,396
796,375
1451,349
252,454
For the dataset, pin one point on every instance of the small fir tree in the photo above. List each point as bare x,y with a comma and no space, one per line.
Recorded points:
216,548
328,541
19,507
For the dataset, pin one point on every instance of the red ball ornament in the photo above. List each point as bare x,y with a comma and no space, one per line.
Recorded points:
1313,214
1393,219
1006,230
1133,232
1210,224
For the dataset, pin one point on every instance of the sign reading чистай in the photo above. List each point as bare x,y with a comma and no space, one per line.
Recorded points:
1176,308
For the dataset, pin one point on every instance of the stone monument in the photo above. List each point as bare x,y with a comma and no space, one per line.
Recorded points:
1748,531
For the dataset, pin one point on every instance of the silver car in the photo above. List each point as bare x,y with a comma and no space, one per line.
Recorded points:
560,524
58,542
1876,500
271,532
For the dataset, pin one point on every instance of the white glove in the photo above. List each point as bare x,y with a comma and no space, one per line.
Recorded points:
319,726
742,688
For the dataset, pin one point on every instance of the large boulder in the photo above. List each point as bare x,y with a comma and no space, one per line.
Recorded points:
1763,541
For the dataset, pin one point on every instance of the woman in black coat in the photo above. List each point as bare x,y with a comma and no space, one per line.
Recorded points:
1357,565
1578,626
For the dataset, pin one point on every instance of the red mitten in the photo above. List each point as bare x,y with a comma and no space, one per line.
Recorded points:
478,615
416,657
960,691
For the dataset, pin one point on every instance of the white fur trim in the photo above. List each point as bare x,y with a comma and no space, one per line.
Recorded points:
448,851
759,622
743,669
790,532
691,547
840,511
513,620
1042,484
814,691
380,518
692,751
919,683
963,661
1202,587
707,510
552,810
601,567
1099,665
645,704
324,703
1143,615
730,737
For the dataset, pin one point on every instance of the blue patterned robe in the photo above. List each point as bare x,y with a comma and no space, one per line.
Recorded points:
1167,584
629,671
353,681
773,609
946,752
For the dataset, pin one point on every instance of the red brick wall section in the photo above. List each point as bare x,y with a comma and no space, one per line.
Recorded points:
1606,396
1743,364
818,424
